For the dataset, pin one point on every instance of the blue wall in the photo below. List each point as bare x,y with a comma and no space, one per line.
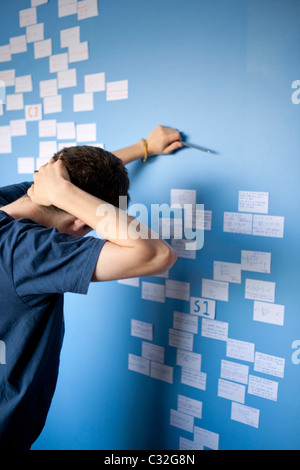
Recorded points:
221,72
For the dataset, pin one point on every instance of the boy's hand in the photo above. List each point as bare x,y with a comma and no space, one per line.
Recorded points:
163,140
47,183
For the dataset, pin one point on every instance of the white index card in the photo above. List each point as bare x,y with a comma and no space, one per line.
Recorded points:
234,371
153,352
48,88
268,226
268,364
153,291
187,444
138,364
181,197
268,313
33,112
206,438
78,52
94,82
256,261
130,281
70,37
42,48
52,104
230,272
193,378
5,139
40,162
142,329
260,290
181,339
35,33
66,130
177,289
202,307
185,322
86,132
47,149
67,78
117,90
58,62
253,201
217,290
181,420
8,77
237,222
37,3
188,359
14,102
161,372
189,406
231,391
83,102
214,329
26,165
87,9
23,84
263,388
47,128
27,17
18,127
241,350
245,414
18,44
5,54
67,7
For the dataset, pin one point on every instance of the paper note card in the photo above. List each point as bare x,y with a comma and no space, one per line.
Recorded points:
18,44
188,359
153,352
181,420
177,290
241,350
193,378
67,78
214,329
79,52
263,388
27,17
35,33
70,37
253,201
5,139
66,131
153,291
161,372
67,7
237,222
132,281
230,272
47,149
260,290
8,77
217,290
202,307
33,112
52,104
23,84
47,128
268,364
206,438
185,322
87,9
268,313
181,339
86,132
58,63
189,406
5,54
18,127
234,371
180,197
42,49
83,102
256,261
245,414
117,90
14,102
138,364
94,82
48,88
231,391
142,329
268,226
26,165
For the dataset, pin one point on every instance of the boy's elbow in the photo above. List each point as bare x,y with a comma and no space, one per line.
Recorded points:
164,258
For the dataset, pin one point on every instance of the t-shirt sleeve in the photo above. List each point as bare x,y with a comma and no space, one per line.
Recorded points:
48,262
9,194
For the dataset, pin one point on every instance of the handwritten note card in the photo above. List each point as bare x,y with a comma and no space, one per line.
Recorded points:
256,261
217,290
236,222
245,414
260,290
224,271
268,313
253,201
153,291
268,226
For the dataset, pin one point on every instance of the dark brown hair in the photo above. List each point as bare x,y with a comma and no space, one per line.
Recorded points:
96,171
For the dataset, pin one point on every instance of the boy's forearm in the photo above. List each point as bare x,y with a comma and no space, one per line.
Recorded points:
131,153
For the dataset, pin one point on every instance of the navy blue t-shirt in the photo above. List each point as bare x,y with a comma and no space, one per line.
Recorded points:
37,265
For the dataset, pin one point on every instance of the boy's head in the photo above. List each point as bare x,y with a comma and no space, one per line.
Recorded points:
96,172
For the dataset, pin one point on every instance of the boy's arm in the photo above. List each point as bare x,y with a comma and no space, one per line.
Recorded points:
162,140
124,254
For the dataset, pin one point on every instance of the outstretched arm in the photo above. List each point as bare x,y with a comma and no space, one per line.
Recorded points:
162,140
